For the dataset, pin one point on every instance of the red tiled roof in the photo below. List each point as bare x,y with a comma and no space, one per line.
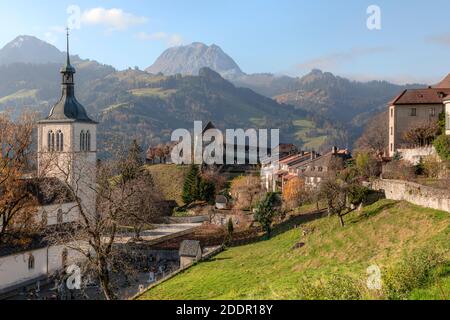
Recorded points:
445,83
422,96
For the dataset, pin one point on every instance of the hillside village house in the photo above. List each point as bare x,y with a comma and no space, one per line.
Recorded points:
311,166
66,148
417,107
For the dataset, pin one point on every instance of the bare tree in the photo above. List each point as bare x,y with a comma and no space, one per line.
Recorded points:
17,202
101,198
145,206
375,137
246,191
340,191
422,134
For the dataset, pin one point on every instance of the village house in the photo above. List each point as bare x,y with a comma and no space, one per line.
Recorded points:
317,169
273,168
311,166
417,107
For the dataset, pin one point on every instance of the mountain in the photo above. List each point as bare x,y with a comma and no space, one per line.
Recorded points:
29,49
188,60
316,111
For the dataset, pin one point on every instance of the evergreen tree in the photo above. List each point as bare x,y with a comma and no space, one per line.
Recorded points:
266,211
207,191
191,188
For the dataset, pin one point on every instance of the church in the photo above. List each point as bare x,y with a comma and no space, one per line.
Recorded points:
67,156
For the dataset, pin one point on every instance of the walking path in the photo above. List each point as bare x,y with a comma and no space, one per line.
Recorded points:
162,232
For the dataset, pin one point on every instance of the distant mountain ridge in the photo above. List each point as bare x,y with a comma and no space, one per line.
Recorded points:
189,59
29,49
314,111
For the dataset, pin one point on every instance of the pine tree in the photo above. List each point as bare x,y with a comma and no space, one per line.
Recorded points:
191,188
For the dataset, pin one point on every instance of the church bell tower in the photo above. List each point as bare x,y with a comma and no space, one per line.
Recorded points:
67,144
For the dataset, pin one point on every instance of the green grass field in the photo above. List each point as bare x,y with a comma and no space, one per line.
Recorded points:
153,92
303,129
170,180
20,95
382,234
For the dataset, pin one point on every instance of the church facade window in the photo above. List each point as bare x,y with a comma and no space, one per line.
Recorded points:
31,262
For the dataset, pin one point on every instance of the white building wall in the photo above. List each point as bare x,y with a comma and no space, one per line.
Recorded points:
14,268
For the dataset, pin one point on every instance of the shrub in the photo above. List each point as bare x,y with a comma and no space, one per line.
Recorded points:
442,146
432,166
415,271
336,288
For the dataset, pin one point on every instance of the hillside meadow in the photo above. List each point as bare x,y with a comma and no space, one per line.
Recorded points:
409,244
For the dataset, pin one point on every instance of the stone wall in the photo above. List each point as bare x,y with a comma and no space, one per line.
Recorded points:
415,193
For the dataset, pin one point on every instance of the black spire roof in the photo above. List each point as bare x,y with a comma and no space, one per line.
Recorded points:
68,109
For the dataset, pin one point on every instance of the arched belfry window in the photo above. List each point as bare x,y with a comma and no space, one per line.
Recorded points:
88,141
85,141
82,140
51,141
59,141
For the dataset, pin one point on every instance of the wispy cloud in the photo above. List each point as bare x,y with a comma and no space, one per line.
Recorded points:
441,39
170,40
333,61
400,78
113,19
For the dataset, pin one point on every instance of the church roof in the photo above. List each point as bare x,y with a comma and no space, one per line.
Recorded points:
68,109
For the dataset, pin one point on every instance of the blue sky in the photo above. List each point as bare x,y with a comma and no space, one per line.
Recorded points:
282,36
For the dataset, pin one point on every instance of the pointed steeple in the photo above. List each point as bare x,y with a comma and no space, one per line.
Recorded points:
68,69
68,108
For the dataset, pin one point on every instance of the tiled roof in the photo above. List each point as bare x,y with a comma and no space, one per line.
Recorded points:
445,83
189,248
422,96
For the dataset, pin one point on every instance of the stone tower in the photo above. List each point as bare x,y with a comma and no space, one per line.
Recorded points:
67,143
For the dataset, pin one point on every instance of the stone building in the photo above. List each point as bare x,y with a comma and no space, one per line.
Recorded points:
190,251
417,107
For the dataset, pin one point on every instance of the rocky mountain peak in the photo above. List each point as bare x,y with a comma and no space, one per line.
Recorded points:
189,59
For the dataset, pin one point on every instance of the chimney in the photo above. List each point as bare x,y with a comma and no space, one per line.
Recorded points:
313,155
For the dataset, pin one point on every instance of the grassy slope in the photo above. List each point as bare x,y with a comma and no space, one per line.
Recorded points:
303,128
169,179
380,235
20,95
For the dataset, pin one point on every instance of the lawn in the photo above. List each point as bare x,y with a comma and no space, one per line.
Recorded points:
379,235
